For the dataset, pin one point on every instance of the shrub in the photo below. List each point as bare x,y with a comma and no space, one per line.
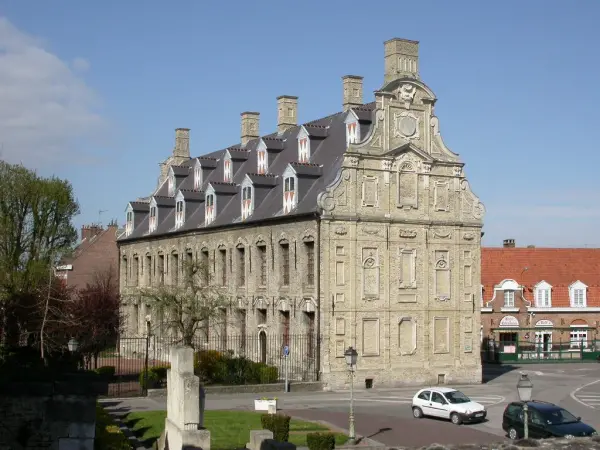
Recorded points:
106,372
153,379
161,371
208,365
279,424
268,374
320,441
108,435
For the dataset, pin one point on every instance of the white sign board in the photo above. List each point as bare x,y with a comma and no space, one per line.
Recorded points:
544,323
509,322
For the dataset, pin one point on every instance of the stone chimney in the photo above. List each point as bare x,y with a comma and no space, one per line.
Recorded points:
509,243
353,91
89,231
182,143
401,59
287,112
249,126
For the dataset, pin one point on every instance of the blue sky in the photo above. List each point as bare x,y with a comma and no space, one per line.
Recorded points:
92,91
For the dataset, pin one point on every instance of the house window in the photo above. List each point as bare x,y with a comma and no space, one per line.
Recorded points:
197,178
148,274
204,267
246,202
310,263
223,254
161,270
262,262
285,327
210,208
152,218
171,184
303,153
509,299
227,170
578,294
136,271
285,264
289,194
578,337
174,269
125,269
352,132
179,214
542,298
262,161
129,226
241,266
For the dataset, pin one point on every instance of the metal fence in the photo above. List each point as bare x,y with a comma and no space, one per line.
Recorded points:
524,351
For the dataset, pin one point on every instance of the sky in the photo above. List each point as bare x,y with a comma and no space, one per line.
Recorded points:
93,91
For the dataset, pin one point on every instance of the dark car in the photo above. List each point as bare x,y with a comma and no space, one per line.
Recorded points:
545,420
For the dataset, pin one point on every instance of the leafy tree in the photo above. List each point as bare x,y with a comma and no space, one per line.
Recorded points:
35,231
188,307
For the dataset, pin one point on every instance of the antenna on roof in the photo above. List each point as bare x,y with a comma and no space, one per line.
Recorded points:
100,211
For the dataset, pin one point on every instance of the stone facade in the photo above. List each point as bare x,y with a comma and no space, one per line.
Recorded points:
389,263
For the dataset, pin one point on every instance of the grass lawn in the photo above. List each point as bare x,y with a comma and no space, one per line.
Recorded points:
228,429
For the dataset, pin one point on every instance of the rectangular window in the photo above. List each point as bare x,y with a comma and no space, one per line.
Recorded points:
227,171
246,202
289,194
543,298
262,263
161,270
242,325
197,178
303,153
205,267
509,299
285,264
310,263
136,271
189,266
174,269
241,266
223,267
578,298
262,161
285,327
179,214
148,274
210,208
310,334
129,227
261,316
124,269
578,338
153,218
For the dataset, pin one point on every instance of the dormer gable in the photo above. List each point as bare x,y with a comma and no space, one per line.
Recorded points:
262,158
578,294
290,189
233,159
135,213
309,137
542,293
129,224
198,178
179,210
227,167
303,146
210,205
153,221
175,177
352,128
247,188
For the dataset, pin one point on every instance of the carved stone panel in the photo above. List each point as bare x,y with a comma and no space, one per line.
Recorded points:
340,278
468,275
468,342
441,334
441,196
370,273
370,337
442,275
339,250
340,348
468,324
408,187
407,297
407,336
341,196
408,265
339,297
340,326
370,191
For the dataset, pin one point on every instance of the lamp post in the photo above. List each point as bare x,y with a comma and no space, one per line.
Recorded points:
73,346
524,388
351,356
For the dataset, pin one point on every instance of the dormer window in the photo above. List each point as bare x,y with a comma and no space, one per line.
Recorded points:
289,194
197,177
129,224
578,295
209,209
246,202
262,161
179,213
171,183
227,170
152,218
543,295
509,299
352,132
303,150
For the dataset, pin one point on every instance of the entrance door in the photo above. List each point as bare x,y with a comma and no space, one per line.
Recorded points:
543,340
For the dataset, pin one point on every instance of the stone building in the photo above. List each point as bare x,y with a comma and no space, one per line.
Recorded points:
358,228
539,300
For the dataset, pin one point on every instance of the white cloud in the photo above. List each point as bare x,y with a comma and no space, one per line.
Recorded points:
46,109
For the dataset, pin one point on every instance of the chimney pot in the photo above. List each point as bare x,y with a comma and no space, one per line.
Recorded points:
509,243
353,91
182,142
249,126
287,112
401,59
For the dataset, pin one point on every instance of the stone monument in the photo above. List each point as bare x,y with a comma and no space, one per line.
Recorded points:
184,425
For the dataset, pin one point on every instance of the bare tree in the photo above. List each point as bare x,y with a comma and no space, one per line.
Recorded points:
187,307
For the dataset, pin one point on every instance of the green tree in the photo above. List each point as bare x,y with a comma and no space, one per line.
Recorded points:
35,231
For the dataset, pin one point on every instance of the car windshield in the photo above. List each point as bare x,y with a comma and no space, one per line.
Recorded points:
558,416
457,397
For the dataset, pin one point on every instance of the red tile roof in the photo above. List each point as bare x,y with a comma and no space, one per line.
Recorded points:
560,267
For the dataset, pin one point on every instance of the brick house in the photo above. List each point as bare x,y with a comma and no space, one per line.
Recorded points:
546,298
95,254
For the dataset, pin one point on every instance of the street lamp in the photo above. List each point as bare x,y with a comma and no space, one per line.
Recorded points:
351,356
524,388
73,345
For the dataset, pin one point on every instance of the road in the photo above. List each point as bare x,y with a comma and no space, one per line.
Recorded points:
384,414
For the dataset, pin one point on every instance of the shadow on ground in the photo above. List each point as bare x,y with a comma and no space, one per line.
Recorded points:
491,371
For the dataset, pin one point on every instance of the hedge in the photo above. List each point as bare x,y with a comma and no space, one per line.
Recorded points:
320,441
214,367
279,424
106,372
108,434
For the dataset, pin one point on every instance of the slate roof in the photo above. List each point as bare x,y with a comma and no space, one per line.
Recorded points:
327,146
559,267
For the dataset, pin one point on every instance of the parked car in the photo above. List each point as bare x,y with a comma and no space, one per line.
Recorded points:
545,420
447,403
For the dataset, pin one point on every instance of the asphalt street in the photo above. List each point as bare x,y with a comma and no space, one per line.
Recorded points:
384,414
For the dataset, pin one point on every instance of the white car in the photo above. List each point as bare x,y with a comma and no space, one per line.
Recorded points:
447,403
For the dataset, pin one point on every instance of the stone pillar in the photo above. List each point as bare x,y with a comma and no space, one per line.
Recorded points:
250,129
401,59
287,112
182,143
353,91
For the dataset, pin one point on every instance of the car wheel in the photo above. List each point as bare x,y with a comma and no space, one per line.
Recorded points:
417,412
512,434
455,418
